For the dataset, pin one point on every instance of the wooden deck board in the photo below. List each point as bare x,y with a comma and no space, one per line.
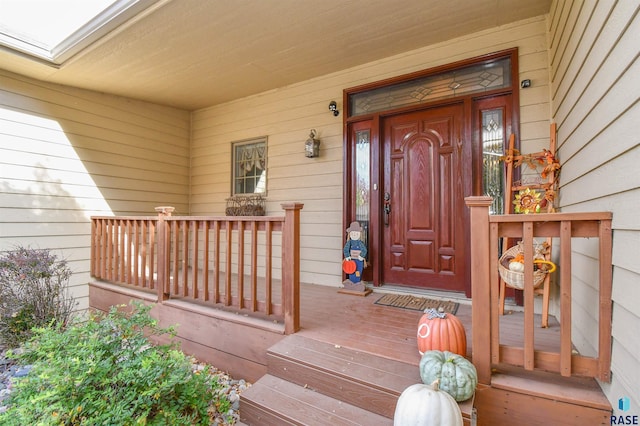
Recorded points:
357,323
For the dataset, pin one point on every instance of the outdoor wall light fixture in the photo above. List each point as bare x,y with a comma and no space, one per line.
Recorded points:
333,106
312,145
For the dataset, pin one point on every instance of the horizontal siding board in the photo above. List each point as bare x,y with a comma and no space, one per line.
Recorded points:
128,169
626,292
92,135
624,218
625,250
609,141
616,176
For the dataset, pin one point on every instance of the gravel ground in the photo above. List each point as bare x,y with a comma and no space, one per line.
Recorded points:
232,387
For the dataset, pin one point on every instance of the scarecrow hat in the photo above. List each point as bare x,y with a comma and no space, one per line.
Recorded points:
355,226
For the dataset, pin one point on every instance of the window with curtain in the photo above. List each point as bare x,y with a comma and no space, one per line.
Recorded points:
249,167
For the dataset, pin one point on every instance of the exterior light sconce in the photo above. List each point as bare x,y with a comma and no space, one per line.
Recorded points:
333,107
312,145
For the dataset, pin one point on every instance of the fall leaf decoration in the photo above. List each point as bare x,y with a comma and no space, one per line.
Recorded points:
529,201
546,159
550,162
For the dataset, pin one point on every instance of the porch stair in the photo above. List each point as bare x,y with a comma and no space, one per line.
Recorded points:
309,382
535,398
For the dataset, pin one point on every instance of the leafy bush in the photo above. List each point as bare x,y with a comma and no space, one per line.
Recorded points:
33,293
105,372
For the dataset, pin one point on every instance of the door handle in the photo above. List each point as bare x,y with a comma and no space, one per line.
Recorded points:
387,208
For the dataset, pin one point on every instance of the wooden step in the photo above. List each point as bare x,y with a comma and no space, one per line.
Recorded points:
361,379
273,401
338,376
539,398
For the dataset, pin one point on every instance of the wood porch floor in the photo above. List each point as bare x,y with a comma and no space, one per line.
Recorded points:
356,322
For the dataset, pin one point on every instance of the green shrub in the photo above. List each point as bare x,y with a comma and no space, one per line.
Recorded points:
33,293
105,372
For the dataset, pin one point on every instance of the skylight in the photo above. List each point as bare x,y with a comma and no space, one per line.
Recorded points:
55,30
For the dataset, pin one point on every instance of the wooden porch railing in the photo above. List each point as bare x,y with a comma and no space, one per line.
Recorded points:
227,262
486,232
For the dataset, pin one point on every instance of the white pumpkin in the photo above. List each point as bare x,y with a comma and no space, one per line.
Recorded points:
426,405
516,266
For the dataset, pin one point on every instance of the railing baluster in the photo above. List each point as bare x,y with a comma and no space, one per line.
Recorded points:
175,244
268,267
129,251
143,254
494,278
194,257
153,263
120,256
527,232
254,266
240,264
216,262
205,261
227,282
136,253
109,262
565,298
185,257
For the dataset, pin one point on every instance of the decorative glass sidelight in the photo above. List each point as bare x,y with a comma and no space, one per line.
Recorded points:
492,149
475,78
362,183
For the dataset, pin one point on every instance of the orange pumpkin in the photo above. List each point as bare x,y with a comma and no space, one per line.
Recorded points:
441,331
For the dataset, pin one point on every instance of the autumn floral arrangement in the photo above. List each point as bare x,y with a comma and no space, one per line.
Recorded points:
533,198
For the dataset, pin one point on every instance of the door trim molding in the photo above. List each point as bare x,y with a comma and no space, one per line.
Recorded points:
376,151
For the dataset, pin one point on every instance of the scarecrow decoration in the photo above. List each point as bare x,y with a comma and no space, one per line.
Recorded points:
354,262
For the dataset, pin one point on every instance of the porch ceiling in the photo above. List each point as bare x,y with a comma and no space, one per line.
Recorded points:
197,53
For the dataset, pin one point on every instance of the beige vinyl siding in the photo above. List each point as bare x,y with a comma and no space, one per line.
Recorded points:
67,154
286,116
595,89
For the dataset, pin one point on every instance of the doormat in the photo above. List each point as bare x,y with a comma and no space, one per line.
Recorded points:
417,303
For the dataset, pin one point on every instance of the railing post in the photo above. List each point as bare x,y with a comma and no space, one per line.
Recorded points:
291,266
480,286
163,252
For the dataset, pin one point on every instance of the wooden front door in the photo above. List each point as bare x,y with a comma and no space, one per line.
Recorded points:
423,217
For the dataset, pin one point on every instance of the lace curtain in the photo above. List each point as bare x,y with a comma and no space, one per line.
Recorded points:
251,156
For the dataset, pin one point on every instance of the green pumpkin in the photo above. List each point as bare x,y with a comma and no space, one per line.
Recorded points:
456,375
